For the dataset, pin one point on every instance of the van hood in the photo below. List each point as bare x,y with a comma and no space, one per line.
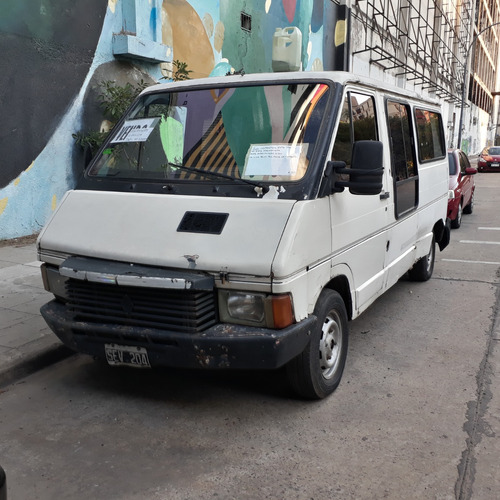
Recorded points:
234,235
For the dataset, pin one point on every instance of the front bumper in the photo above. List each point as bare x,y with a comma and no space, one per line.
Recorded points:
219,347
453,208
486,167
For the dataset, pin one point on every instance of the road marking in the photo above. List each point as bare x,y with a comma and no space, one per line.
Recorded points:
481,242
489,228
471,261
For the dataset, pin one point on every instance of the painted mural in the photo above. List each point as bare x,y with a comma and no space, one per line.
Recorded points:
54,64
57,51
222,43
46,56
52,50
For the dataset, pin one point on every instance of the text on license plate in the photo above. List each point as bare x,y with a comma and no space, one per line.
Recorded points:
122,355
495,164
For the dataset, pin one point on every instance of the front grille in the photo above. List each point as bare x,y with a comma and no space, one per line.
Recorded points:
183,311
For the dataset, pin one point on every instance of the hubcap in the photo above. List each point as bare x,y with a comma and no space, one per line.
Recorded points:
330,345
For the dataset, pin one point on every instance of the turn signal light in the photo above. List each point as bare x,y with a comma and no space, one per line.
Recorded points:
282,311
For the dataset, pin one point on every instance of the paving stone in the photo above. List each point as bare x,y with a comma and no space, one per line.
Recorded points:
26,342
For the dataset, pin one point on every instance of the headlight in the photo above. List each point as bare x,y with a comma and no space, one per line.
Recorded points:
245,306
255,309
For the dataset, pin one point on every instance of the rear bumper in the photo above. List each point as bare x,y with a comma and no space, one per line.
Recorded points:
220,347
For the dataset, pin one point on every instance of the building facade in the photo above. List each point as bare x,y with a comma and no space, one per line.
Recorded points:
57,52
435,47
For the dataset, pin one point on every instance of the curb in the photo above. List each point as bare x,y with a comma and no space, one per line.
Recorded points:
34,363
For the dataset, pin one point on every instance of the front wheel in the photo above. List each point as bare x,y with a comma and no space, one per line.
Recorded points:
457,221
423,268
316,372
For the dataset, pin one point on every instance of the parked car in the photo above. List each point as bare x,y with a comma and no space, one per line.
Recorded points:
461,186
489,159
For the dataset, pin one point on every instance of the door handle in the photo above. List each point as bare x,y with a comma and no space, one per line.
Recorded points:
385,195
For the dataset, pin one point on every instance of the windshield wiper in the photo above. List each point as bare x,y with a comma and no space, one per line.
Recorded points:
208,173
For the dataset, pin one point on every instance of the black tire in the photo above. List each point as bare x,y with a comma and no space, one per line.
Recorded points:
423,268
316,372
457,221
470,207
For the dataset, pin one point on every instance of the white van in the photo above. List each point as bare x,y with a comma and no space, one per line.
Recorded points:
241,222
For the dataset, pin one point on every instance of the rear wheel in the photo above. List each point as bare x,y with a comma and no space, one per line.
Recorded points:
470,207
423,268
316,372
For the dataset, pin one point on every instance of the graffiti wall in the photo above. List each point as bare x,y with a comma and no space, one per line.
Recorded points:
55,53
43,66
213,37
51,50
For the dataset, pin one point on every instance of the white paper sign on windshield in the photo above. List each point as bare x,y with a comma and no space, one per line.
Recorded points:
272,159
136,130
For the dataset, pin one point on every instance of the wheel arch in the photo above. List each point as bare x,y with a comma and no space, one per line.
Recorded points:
454,208
340,284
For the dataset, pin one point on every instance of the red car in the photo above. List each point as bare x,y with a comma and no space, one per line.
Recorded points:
461,186
489,160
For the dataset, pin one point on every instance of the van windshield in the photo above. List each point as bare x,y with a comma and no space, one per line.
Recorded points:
258,133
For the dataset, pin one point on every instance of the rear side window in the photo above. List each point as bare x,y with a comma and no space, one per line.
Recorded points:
430,137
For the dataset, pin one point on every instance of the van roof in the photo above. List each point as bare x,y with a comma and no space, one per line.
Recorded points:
341,77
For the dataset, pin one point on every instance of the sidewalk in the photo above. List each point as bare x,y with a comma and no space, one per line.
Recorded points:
26,342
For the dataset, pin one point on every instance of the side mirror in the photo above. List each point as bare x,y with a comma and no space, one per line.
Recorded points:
365,174
470,171
367,167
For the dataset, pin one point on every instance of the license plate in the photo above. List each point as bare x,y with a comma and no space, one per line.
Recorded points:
495,164
123,355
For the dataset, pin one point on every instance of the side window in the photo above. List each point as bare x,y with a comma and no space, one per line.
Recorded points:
357,123
404,165
429,134
452,164
464,162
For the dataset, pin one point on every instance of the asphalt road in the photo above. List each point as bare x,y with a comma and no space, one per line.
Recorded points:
416,416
